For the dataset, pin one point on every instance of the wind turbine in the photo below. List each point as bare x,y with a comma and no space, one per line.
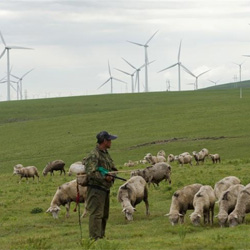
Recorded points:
196,77
239,69
215,82
179,67
111,80
8,48
146,58
132,78
20,79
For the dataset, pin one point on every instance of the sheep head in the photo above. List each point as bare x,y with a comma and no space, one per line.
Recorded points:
174,218
54,210
195,218
128,211
222,218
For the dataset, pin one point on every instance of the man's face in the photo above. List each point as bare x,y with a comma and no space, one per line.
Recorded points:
107,143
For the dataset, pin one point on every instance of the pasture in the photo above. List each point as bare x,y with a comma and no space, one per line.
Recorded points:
34,132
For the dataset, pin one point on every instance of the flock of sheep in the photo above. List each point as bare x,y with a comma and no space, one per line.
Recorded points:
232,197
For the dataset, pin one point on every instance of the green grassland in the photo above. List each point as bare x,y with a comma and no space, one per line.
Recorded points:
34,132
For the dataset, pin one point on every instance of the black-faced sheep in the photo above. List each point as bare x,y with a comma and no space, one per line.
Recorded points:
26,172
224,184
227,203
203,203
132,193
76,168
182,200
241,208
215,158
57,165
66,194
155,173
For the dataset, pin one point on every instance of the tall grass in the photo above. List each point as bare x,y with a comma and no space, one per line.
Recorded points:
37,131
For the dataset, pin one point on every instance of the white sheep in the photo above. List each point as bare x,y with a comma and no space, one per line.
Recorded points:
215,158
154,159
185,159
130,163
203,203
132,193
227,203
199,156
64,195
224,184
161,153
242,207
170,158
26,172
182,200
76,168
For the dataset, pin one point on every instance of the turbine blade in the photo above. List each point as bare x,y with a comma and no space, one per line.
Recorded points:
3,53
2,39
15,76
27,73
105,82
168,67
203,72
151,37
129,63
247,55
123,71
179,53
119,80
136,43
187,70
109,69
17,47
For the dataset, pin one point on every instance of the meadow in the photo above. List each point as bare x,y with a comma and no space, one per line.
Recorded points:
34,132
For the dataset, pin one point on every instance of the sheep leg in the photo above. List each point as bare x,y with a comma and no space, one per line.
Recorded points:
145,199
67,206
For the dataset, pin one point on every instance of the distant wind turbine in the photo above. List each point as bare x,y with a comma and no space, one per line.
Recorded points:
146,58
132,78
20,79
179,67
196,77
215,82
111,80
8,48
239,69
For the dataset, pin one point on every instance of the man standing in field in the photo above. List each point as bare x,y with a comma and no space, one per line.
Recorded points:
99,184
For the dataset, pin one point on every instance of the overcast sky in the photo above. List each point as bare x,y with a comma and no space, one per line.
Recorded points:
73,41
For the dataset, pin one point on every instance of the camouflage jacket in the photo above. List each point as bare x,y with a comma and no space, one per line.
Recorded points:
98,158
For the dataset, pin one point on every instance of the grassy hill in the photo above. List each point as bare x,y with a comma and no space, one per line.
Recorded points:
34,132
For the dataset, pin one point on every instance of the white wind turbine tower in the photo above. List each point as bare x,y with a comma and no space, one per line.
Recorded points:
146,58
8,48
179,68
132,78
111,80
196,77
239,69
20,79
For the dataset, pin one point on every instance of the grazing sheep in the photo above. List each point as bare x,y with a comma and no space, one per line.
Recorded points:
215,157
203,204
182,200
161,153
26,172
57,165
199,157
76,168
205,151
132,193
154,159
224,184
170,158
130,163
155,173
64,195
241,208
185,159
227,203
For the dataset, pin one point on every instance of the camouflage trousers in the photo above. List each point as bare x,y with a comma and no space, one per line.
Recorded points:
98,208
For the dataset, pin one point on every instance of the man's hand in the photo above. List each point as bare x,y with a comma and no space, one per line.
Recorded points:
109,178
